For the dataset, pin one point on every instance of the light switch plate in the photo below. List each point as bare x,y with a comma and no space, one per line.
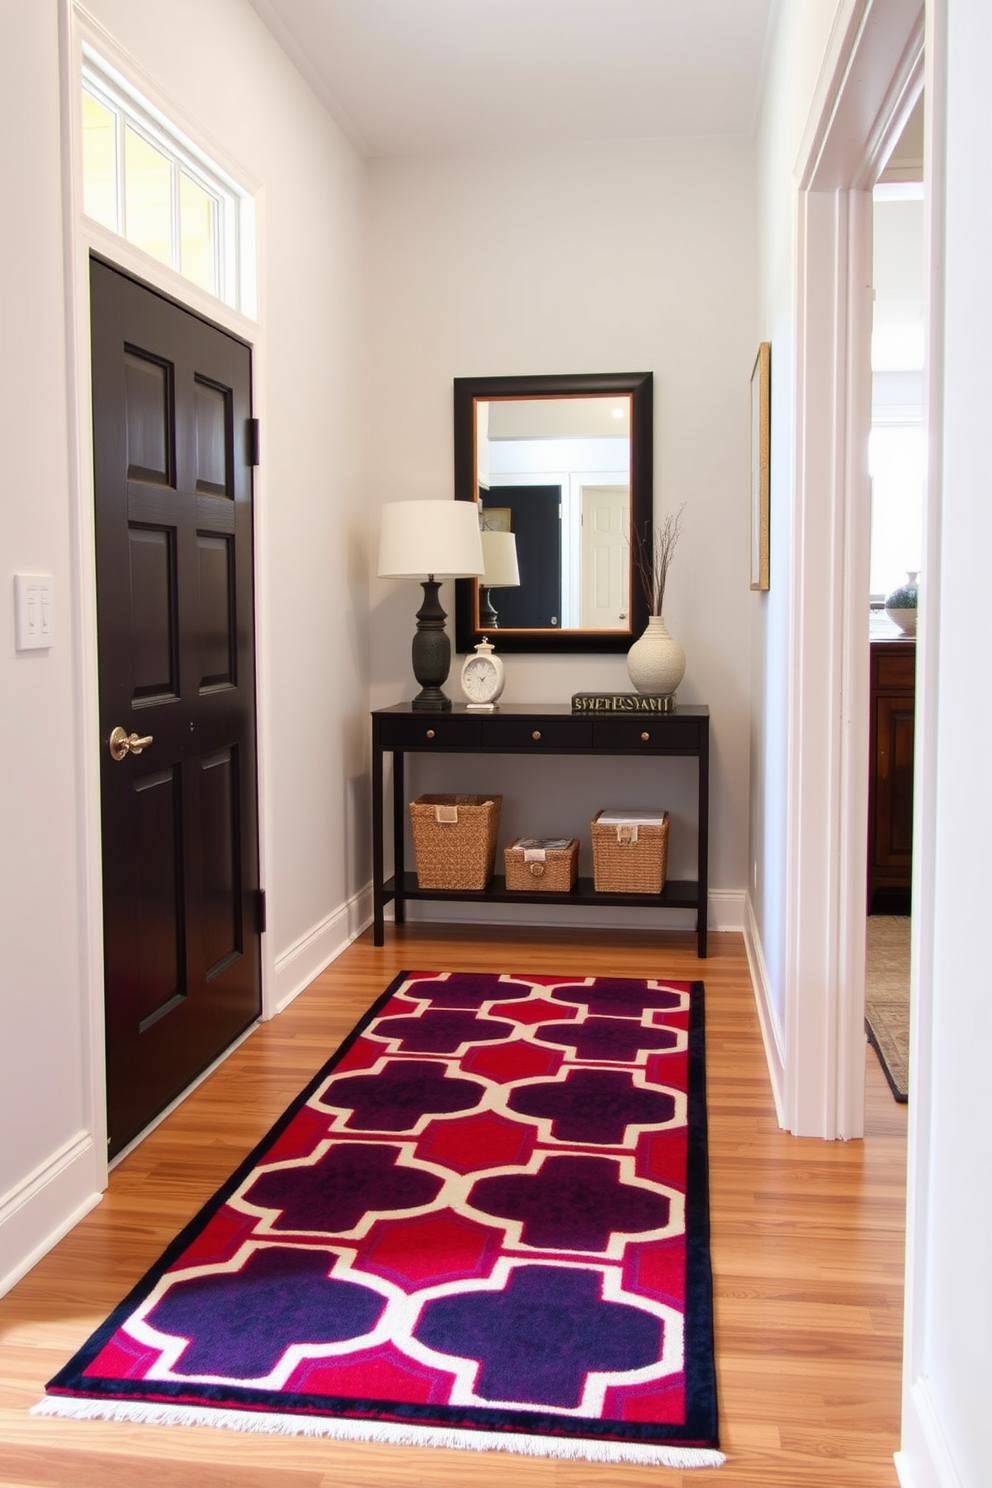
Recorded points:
33,612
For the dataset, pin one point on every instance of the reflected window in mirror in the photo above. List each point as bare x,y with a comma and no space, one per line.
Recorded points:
564,464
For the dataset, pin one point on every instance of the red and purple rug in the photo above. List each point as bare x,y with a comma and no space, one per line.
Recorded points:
483,1224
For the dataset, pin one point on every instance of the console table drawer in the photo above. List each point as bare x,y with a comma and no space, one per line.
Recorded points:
535,734
440,730
647,732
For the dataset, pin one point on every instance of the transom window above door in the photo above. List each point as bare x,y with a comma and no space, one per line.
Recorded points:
148,183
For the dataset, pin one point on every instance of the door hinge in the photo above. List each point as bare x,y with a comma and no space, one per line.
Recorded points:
260,910
251,440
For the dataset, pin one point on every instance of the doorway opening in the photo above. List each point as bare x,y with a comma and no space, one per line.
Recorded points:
897,467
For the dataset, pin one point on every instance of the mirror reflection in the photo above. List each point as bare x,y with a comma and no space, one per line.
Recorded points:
560,468
555,472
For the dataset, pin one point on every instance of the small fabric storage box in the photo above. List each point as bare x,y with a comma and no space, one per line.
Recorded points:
545,864
629,851
454,840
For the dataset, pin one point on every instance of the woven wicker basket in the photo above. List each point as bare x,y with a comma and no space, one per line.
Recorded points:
533,867
454,840
629,857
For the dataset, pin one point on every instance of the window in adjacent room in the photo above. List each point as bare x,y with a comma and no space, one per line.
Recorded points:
897,454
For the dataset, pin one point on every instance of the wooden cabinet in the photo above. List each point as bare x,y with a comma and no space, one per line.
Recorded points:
890,778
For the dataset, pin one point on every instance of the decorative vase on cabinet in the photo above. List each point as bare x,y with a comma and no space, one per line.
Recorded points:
900,605
656,661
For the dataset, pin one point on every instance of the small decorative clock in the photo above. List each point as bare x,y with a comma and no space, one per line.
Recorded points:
482,677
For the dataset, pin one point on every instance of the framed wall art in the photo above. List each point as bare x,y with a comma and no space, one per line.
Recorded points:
760,453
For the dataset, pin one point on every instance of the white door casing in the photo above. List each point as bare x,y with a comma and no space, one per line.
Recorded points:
869,84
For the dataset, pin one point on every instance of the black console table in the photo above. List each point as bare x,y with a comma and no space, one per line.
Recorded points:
551,729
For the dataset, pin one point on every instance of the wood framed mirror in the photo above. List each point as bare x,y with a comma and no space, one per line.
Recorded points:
565,465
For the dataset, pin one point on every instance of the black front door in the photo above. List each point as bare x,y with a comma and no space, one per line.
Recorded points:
175,607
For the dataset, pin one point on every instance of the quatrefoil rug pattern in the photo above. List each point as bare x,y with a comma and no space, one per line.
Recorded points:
483,1224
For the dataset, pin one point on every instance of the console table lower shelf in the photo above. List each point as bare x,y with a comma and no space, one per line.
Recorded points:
677,893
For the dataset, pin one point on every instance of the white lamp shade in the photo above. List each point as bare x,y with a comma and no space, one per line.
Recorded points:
418,538
499,549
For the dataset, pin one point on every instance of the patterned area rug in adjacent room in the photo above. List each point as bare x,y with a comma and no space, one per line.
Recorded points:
483,1224
887,997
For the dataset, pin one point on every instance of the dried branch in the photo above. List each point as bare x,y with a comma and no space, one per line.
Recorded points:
653,553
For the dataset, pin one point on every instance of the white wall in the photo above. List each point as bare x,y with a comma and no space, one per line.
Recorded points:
948,1364
594,258
43,1048
800,43
238,89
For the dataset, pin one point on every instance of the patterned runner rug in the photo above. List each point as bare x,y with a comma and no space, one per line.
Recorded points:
483,1224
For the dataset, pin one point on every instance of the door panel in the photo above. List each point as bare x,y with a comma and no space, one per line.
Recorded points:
213,427
895,732
148,407
156,822
173,494
605,557
535,520
153,633
220,896
218,655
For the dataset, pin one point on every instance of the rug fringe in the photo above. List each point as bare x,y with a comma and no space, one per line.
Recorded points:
151,1413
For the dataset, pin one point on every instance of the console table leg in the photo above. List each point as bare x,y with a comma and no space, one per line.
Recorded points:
378,895
399,828
703,818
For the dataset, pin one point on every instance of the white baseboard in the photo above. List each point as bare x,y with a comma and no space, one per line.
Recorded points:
925,1460
44,1206
771,1031
726,909
297,966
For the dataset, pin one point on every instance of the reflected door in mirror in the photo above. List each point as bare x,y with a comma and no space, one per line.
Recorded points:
534,517
605,557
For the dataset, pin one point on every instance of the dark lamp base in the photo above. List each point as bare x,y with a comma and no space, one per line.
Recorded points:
488,619
431,653
430,701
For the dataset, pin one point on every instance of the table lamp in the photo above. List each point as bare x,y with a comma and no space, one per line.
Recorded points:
430,541
499,552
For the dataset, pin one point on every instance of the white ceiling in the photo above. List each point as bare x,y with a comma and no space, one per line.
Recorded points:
426,76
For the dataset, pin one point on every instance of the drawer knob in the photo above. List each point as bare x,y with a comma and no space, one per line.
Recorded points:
645,736
536,734
430,733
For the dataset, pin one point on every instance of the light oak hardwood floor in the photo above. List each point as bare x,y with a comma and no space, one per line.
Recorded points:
807,1246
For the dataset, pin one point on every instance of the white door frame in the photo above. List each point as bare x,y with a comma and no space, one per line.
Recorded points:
871,78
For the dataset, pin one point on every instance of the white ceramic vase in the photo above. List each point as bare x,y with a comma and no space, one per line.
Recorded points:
656,661
900,605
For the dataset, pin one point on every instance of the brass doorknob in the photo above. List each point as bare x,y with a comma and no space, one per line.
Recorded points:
123,744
